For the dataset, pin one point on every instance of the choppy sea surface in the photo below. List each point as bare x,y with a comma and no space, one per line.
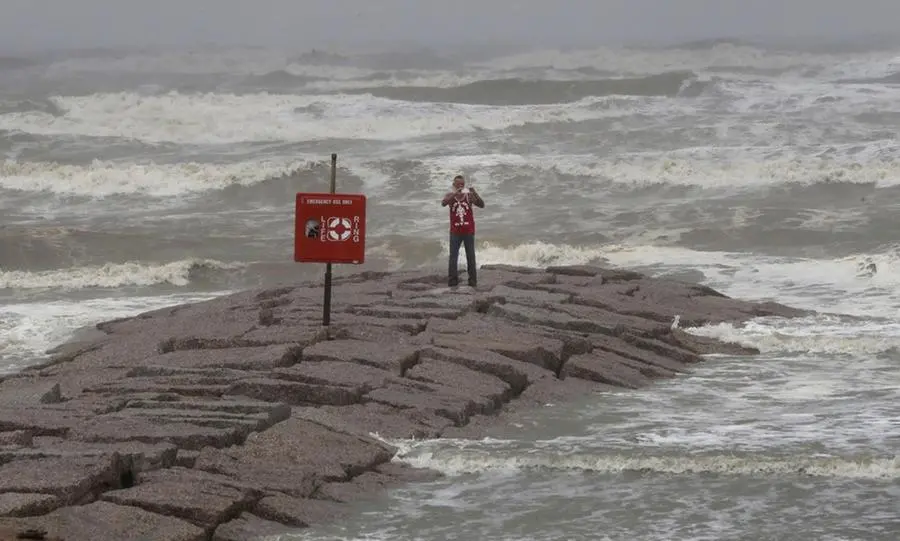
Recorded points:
131,180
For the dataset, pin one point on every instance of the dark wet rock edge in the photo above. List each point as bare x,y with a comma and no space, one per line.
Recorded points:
242,416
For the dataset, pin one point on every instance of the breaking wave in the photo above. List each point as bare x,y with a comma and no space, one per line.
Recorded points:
455,457
518,91
104,178
114,275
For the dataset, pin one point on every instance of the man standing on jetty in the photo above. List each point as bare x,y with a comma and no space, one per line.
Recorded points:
462,228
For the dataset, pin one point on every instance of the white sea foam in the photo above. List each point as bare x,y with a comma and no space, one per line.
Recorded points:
227,118
720,168
104,178
455,458
27,331
110,275
820,334
841,285
721,56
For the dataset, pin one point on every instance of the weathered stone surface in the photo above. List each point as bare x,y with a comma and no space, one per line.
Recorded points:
292,392
360,487
15,438
516,374
401,312
173,492
295,457
135,456
277,332
298,512
19,504
104,520
73,480
239,358
647,361
242,415
185,435
431,399
26,391
248,527
394,358
543,352
459,379
606,368
336,373
375,418
530,297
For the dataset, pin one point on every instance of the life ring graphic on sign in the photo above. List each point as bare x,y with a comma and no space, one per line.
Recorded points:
339,229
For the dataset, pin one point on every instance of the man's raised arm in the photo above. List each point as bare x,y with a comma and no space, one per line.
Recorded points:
476,199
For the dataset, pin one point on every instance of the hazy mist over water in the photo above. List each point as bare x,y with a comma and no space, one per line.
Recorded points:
43,24
153,156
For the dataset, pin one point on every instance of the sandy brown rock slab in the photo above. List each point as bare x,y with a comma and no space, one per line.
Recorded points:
530,297
394,358
296,393
186,458
546,353
401,312
295,457
499,329
607,274
606,368
49,420
406,333
249,527
459,379
193,385
374,418
655,365
135,456
201,498
73,480
360,377
238,358
299,512
431,399
103,520
663,348
185,435
516,374
550,318
16,438
696,304
491,276
275,412
20,504
29,391
75,376
606,321
432,301
281,333
359,488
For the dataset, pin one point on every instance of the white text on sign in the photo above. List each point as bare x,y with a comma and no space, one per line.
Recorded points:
329,201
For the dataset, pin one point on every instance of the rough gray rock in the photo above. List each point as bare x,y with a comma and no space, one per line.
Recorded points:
242,416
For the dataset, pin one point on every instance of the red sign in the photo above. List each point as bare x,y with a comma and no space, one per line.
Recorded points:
330,228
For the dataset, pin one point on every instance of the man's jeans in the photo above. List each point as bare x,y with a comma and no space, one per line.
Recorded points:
469,242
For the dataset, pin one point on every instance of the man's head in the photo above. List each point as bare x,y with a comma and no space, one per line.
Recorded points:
459,182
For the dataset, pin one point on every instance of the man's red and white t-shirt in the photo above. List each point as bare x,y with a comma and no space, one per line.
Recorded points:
462,219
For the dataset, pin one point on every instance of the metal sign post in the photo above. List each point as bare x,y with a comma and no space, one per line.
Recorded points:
326,304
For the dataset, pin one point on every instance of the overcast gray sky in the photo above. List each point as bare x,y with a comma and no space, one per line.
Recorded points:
30,24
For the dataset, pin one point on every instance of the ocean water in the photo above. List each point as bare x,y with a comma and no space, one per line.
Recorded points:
131,180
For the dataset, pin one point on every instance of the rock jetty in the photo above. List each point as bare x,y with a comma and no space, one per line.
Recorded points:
242,416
